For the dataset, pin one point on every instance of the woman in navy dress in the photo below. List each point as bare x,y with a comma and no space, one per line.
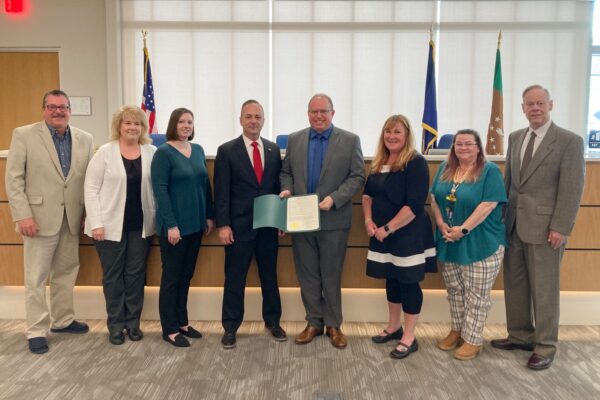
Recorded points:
401,248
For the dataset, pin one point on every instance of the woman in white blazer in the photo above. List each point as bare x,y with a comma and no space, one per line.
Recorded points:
121,218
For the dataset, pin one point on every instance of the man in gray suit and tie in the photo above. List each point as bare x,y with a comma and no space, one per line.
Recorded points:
328,161
544,178
45,171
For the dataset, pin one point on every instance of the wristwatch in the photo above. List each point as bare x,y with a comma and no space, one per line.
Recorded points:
464,230
387,228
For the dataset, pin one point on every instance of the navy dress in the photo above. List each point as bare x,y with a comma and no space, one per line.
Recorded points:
407,254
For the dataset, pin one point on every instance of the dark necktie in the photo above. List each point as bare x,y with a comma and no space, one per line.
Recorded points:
528,152
317,163
258,168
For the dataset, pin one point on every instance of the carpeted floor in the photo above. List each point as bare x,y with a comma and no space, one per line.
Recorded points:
89,367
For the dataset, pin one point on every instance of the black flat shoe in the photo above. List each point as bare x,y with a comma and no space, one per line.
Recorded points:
388,336
135,334
116,338
399,354
179,340
191,333
38,345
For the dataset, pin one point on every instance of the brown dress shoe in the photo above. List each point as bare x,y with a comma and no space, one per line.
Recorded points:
451,341
538,362
308,334
338,340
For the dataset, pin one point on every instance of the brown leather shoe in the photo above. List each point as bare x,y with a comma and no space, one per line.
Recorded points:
467,351
538,362
506,344
338,340
451,341
308,334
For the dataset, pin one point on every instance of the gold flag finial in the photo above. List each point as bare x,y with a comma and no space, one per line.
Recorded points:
145,35
499,38
431,32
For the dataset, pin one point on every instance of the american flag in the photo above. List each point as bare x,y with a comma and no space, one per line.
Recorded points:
148,96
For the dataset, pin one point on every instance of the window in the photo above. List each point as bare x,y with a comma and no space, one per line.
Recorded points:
370,56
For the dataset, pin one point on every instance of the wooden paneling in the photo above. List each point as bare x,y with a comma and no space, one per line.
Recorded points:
2,186
25,77
579,271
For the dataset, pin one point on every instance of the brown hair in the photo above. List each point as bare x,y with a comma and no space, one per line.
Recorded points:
452,163
406,154
174,119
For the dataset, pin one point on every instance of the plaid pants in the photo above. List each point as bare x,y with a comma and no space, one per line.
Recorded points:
468,288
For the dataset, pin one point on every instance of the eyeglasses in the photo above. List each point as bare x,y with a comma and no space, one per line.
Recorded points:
54,107
467,144
540,103
314,113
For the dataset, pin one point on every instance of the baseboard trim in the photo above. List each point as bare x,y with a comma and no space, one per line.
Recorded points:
360,305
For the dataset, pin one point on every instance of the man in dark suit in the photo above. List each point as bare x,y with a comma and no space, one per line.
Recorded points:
328,161
544,178
245,168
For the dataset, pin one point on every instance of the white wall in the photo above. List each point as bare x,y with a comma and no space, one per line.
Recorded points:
78,29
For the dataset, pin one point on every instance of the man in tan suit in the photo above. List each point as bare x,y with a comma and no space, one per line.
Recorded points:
544,179
45,171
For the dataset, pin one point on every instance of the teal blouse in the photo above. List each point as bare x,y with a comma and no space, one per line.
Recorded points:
181,189
484,240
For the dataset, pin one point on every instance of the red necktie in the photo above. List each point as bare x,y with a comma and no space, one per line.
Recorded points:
258,168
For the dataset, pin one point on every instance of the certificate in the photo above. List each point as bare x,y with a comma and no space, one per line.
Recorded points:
294,214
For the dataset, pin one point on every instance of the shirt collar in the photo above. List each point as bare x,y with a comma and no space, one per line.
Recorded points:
326,133
541,131
248,142
54,132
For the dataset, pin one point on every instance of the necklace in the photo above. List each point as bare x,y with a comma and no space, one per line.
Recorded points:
456,181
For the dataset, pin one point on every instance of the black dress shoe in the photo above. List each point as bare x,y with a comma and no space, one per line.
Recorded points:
397,335
506,344
277,332
228,340
73,327
191,332
135,334
116,338
38,345
398,354
538,362
179,340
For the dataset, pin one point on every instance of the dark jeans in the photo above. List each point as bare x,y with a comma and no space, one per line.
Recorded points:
178,265
123,278
237,262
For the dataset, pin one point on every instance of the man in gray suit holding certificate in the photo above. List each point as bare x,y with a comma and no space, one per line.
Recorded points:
544,178
328,161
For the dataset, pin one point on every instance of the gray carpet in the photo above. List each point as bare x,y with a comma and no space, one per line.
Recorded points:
89,367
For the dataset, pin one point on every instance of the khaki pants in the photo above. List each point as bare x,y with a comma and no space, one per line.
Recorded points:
54,259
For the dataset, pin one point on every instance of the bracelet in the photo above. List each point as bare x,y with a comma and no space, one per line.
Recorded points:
368,220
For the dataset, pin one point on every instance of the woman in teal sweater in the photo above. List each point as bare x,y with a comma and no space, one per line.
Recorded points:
184,212
470,238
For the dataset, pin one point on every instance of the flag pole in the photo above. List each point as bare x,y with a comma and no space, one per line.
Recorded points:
495,135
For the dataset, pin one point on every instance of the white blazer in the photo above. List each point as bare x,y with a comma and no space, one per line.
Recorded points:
105,191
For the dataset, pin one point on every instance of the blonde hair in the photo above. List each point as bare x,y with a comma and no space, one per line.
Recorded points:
452,163
406,154
137,114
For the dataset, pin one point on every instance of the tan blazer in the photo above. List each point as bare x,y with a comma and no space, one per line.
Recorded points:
546,196
35,184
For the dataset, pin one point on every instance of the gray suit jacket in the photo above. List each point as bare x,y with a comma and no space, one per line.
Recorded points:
35,184
342,175
546,196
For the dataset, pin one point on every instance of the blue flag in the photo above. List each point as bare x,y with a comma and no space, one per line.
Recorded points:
429,123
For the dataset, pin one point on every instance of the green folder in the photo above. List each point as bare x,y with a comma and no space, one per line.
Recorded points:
294,214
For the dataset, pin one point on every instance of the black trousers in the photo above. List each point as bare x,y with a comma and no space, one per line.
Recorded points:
178,266
237,262
124,266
